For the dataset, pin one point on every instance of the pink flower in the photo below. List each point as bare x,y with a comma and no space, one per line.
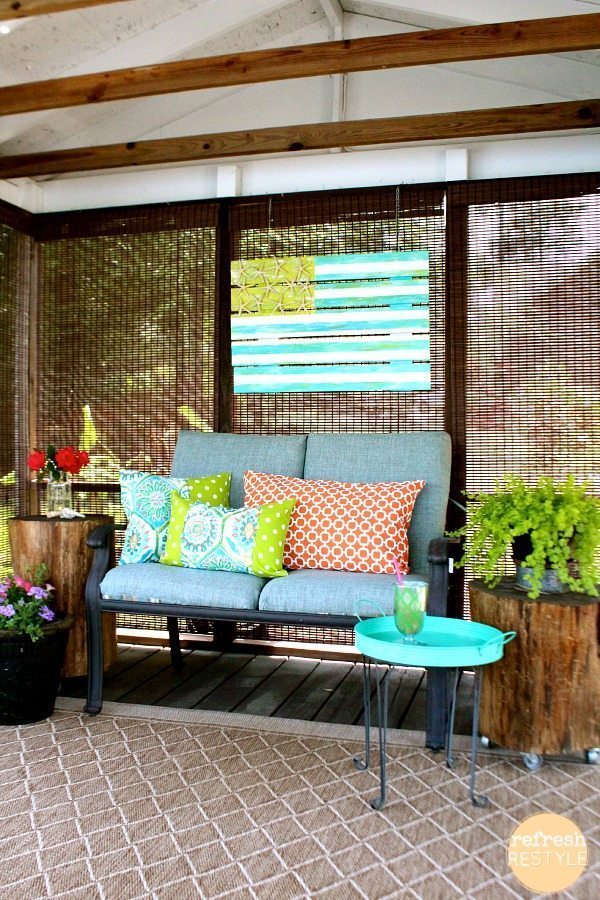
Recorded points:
20,582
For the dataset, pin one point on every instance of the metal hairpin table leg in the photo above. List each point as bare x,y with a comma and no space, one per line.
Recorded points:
450,727
382,715
476,799
359,764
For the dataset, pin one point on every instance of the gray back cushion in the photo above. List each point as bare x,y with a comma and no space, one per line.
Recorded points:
391,457
200,453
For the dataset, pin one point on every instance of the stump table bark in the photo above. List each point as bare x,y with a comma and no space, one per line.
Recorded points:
61,544
544,695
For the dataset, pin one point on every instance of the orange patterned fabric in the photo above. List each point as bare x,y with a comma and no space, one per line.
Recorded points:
340,525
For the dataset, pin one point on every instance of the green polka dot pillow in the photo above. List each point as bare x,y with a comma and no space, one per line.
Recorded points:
146,500
233,540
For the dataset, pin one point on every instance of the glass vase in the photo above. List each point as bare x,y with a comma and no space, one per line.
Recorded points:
59,496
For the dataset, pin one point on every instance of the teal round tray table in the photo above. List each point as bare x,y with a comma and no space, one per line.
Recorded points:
453,644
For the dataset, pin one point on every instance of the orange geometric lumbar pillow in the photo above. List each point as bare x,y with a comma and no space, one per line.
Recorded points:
338,524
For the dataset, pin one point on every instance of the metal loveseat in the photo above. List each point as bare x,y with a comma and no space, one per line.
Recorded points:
304,597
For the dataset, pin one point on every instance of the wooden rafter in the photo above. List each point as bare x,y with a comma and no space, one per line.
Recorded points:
543,117
507,39
20,9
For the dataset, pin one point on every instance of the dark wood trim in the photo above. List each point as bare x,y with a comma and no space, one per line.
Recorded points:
17,218
489,41
21,9
538,118
223,365
457,256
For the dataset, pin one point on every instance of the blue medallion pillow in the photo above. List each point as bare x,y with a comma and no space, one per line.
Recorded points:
146,500
249,540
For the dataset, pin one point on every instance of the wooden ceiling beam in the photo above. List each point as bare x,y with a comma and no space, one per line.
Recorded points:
21,9
543,117
506,39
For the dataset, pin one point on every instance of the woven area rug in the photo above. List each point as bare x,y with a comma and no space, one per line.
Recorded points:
163,803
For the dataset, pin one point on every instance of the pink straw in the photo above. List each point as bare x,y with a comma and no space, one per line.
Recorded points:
397,570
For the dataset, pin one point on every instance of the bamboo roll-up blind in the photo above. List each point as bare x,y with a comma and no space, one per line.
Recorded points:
524,331
15,250
127,333
362,221
532,381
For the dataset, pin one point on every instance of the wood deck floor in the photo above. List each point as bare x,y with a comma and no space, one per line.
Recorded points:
295,687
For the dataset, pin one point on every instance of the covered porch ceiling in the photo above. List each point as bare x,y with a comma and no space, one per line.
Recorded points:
479,89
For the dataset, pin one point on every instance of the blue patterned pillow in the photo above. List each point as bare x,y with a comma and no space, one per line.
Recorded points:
249,540
146,500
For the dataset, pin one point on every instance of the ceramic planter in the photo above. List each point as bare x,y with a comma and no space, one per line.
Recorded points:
30,673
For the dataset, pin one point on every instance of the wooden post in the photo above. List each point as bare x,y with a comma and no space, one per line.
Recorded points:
544,695
61,545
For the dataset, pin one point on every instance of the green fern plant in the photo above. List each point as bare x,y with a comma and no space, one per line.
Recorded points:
561,519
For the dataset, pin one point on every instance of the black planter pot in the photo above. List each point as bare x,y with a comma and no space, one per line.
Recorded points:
521,548
30,673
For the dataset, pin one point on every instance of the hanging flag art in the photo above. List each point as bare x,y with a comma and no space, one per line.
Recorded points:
352,322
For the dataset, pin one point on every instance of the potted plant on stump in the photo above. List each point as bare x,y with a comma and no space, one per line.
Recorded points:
543,696
552,527
33,639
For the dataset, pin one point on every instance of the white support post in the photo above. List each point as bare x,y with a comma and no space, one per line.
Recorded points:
335,17
229,181
457,164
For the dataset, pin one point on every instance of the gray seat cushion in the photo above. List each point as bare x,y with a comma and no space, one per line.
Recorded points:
329,593
206,453
156,583
391,457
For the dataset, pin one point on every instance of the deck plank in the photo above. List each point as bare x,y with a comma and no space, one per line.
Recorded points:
269,696
308,698
267,685
141,666
212,674
402,688
152,690
228,696
345,705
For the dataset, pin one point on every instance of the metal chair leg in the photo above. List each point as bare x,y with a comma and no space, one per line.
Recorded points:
174,644
95,657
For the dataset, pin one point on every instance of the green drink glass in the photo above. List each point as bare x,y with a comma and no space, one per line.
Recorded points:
410,605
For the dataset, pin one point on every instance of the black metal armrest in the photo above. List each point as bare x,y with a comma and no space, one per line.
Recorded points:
441,550
102,560
439,553
100,536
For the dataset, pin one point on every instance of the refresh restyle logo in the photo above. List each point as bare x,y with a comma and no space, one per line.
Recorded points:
547,852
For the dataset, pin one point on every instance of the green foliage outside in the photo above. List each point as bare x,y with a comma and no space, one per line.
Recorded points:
562,520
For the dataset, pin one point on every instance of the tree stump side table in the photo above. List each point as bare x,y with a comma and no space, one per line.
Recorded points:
61,544
544,695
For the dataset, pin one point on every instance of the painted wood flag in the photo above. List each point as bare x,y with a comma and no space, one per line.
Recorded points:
353,322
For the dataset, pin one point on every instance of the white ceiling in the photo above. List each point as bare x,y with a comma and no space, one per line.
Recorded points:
141,32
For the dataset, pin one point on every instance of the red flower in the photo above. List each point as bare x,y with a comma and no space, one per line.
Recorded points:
53,462
67,460
36,460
